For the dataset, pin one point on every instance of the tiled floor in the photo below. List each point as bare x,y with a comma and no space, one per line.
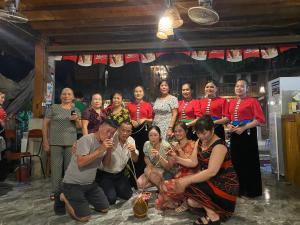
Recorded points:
29,204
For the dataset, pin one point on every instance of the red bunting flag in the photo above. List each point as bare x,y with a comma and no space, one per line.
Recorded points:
100,59
158,54
132,58
70,57
85,60
116,60
147,57
199,55
234,55
216,54
251,53
284,48
269,52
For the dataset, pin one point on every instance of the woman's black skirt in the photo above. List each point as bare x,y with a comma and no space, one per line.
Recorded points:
245,159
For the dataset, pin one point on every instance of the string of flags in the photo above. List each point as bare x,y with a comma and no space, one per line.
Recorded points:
230,55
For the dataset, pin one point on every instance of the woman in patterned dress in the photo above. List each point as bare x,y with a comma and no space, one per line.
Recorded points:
245,114
167,198
116,111
215,106
214,187
93,116
59,134
165,110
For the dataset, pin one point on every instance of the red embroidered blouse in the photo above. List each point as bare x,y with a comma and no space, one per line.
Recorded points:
248,109
146,111
216,107
189,110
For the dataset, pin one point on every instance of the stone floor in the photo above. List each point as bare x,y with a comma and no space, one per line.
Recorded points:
30,204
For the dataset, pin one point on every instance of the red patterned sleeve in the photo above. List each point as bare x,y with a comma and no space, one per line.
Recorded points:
225,108
257,112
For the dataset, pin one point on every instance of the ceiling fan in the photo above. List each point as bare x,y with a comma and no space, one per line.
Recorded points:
10,12
203,14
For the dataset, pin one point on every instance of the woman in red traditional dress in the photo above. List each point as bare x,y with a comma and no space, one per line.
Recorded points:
245,114
215,106
215,186
168,199
188,109
141,115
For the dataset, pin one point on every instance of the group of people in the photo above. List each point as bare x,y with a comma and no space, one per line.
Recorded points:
177,146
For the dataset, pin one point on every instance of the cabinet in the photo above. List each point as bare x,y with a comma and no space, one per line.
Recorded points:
291,147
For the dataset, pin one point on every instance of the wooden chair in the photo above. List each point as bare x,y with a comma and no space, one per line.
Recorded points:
35,133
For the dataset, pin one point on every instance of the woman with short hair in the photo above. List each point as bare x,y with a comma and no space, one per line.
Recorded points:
59,134
165,110
214,188
93,116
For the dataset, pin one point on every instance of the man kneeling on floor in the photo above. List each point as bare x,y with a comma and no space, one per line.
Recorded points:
111,175
79,188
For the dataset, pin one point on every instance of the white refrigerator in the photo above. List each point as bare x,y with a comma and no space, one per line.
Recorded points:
280,92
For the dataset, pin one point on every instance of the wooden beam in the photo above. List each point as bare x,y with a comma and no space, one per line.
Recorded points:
172,45
41,63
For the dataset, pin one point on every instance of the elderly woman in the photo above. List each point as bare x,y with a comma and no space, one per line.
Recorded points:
93,116
116,111
59,134
165,110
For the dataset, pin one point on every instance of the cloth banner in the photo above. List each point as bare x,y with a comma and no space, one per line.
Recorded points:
116,60
199,55
269,52
100,59
85,60
216,54
132,58
234,55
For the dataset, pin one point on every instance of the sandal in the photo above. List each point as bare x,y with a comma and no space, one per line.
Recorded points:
198,211
183,207
199,221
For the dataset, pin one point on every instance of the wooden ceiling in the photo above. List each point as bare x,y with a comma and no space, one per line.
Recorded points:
128,25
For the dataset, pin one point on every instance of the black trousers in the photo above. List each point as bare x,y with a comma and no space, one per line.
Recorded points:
245,159
140,135
114,185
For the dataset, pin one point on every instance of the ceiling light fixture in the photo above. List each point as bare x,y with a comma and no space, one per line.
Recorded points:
165,28
171,19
